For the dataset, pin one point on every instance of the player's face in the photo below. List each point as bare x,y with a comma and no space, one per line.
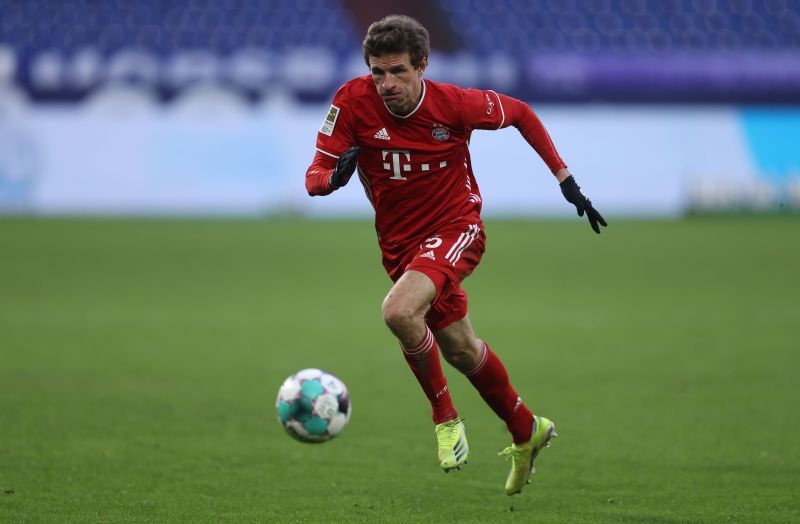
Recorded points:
397,82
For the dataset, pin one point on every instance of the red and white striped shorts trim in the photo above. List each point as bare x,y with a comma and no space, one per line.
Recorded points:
464,240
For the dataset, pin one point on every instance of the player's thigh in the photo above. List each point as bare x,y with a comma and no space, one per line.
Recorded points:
411,295
447,258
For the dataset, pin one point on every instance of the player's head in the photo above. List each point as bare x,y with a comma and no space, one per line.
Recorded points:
396,50
396,34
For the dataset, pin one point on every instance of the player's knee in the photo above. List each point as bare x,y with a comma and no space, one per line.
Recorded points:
459,358
397,315
463,356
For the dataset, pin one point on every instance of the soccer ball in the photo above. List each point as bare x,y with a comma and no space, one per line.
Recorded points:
313,405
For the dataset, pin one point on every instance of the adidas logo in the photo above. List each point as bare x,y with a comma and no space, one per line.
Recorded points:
382,134
428,254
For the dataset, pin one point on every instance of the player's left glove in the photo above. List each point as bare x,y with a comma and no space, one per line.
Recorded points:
572,192
345,167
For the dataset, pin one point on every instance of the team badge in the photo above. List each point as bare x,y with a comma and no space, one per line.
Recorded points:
440,133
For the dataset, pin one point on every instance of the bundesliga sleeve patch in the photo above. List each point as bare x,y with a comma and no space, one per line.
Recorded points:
330,121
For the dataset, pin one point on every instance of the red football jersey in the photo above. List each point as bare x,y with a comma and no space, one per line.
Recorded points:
416,168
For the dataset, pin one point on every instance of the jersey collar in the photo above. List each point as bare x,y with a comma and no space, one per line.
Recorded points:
415,109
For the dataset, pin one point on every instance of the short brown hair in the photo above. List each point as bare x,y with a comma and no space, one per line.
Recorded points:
397,34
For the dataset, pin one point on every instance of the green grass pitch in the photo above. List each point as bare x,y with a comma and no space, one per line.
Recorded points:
140,359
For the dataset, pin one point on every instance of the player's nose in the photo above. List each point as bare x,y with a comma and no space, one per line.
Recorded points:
389,82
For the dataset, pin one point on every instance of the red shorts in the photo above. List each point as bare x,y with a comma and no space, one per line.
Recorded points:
448,257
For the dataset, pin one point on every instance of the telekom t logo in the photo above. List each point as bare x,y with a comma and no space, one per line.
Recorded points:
394,167
398,167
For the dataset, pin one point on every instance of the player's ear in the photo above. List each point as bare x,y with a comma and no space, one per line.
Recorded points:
422,65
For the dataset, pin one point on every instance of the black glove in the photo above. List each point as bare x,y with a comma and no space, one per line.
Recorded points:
344,168
572,192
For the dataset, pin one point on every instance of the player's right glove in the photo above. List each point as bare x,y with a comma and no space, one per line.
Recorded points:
344,168
572,192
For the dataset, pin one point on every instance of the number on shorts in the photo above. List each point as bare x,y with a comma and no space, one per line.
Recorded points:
433,243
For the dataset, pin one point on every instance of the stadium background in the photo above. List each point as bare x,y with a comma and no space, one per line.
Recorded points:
140,347
212,107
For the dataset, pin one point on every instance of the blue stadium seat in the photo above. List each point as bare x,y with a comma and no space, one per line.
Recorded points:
167,26
625,25
592,37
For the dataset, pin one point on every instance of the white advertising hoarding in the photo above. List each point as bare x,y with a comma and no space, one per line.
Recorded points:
630,160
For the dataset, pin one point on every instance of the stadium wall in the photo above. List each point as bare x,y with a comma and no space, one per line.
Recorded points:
632,160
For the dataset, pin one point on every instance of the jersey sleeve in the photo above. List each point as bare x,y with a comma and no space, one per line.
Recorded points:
491,110
481,110
318,175
335,136
337,132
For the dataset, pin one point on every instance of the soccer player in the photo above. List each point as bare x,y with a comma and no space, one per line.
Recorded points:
408,138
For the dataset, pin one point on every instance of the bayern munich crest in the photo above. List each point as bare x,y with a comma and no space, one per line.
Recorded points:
440,133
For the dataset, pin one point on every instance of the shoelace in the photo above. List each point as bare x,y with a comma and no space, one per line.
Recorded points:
450,433
513,455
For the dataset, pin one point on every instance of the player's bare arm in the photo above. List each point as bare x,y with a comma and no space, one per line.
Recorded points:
562,174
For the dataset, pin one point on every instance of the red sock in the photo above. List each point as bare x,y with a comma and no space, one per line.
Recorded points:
424,362
490,378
